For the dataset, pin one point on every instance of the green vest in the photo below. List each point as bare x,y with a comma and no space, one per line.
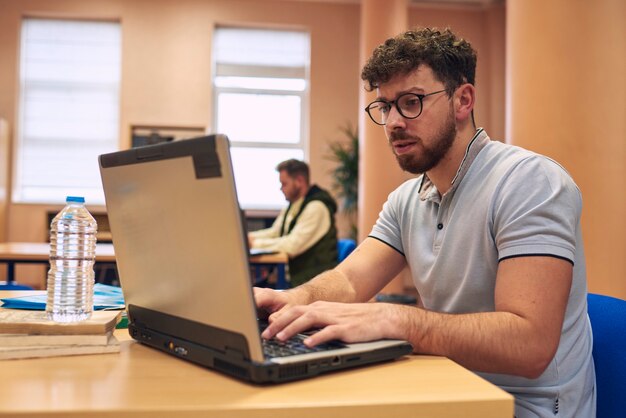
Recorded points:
322,255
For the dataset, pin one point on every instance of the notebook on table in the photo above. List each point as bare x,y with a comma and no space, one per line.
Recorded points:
182,259
261,251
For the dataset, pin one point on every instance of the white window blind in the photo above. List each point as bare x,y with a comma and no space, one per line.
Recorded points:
69,108
261,104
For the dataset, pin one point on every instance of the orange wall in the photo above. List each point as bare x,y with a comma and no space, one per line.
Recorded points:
567,99
4,162
166,67
378,171
484,28
564,80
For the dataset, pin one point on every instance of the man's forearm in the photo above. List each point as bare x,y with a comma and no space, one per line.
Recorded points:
492,342
332,286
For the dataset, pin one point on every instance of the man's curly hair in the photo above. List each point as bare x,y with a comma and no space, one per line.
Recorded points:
452,59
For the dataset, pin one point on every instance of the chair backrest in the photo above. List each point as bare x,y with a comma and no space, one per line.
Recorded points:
608,322
14,286
344,247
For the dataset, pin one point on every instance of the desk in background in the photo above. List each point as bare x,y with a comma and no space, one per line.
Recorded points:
278,260
142,382
12,253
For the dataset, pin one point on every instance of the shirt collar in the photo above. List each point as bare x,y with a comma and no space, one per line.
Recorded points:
427,189
295,206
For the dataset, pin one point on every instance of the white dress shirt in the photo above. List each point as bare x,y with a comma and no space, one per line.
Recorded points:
312,225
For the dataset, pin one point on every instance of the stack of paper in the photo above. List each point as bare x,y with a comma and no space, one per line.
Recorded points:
28,334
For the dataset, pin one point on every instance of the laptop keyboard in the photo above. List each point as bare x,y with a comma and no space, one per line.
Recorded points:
293,346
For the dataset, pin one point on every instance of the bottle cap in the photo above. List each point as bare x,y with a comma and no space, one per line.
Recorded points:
78,199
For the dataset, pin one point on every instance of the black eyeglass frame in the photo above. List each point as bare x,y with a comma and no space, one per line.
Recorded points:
420,97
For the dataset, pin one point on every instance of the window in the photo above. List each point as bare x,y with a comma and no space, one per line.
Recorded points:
69,108
261,104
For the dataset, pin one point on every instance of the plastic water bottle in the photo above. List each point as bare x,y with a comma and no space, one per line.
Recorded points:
72,258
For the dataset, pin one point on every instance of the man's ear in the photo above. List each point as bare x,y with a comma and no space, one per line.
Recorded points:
464,99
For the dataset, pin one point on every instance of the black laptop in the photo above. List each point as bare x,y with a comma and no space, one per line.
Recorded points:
182,259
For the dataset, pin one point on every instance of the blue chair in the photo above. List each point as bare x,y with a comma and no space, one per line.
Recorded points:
344,247
14,286
608,322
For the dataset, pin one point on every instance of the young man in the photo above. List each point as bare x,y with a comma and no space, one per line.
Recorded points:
305,230
491,233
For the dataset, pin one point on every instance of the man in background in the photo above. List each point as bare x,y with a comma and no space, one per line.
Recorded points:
304,230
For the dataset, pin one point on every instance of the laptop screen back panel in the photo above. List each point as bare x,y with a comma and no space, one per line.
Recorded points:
183,266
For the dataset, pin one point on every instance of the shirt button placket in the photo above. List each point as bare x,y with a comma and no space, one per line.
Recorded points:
438,234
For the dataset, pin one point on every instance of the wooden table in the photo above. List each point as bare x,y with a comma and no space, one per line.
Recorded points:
13,253
143,382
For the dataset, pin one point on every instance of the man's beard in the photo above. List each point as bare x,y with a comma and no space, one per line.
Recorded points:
294,195
427,158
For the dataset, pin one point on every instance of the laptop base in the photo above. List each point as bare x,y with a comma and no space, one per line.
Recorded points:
233,361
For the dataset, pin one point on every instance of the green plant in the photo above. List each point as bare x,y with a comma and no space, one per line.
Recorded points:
346,173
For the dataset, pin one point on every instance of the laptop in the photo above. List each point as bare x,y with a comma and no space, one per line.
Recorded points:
182,259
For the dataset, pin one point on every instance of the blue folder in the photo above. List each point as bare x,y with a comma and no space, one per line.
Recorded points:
105,297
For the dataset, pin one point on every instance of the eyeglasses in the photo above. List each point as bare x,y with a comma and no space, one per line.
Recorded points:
409,106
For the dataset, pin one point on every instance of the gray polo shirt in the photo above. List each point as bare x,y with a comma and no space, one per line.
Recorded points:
504,202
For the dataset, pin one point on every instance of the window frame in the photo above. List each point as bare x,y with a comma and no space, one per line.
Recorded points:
277,72
24,193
